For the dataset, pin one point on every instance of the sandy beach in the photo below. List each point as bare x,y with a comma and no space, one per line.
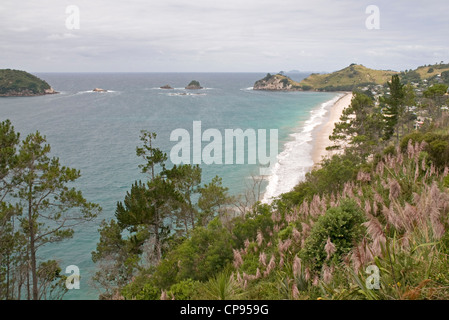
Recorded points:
321,135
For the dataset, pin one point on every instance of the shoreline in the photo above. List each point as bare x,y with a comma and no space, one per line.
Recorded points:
321,134
305,151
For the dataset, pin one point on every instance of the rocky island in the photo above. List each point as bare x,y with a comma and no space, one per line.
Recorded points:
17,83
168,87
277,82
99,90
194,85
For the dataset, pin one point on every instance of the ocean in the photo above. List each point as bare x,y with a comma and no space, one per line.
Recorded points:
98,133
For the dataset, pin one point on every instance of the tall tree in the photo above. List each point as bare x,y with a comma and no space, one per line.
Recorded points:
51,208
394,107
359,127
186,180
10,241
214,198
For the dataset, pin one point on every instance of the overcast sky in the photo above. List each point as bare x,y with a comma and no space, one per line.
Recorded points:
221,36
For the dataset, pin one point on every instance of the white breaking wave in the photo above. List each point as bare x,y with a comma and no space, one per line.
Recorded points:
296,159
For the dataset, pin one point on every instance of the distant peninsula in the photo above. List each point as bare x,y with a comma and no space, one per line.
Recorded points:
17,83
353,77
347,79
194,85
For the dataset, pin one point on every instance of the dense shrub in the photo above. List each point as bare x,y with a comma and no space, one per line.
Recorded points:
342,225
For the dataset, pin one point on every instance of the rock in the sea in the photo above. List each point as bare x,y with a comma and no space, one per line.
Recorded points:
194,85
50,91
166,87
99,90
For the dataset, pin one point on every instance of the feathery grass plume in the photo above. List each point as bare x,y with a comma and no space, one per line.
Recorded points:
295,292
276,228
363,176
361,255
283,246
432,169
304,209
405,241
410,149
327,274
375,230
270,267
438,201
281,262
375,208
380,168
316,281
276,216
395,189
332,201
296,235
164,295
358,201
367,207
239,277
258,275
347,190
247,243
359,192
307,274
315,206
399,158
263,259
378,198
445,172
269,243
297,265
416,173
259,238
238,261
391,217
295,213
423,164
329,248
305,229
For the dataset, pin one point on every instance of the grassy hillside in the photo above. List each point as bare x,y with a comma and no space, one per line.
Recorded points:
430,71
346,79
21,83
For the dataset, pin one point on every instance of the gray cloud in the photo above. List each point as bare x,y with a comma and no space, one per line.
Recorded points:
231,35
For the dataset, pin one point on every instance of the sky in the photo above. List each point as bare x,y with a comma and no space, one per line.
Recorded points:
221,36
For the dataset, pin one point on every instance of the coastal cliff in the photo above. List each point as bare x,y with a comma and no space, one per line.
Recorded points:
17,83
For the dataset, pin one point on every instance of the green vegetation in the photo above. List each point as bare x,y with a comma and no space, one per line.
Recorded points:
378,207
381,203
37,208
354,78
21,83
347,79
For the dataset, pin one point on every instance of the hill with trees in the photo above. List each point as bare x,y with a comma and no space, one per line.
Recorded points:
15,83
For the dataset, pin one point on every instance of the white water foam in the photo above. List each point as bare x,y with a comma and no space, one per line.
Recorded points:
296,159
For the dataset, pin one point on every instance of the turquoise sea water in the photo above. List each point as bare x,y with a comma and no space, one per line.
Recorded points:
97,133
